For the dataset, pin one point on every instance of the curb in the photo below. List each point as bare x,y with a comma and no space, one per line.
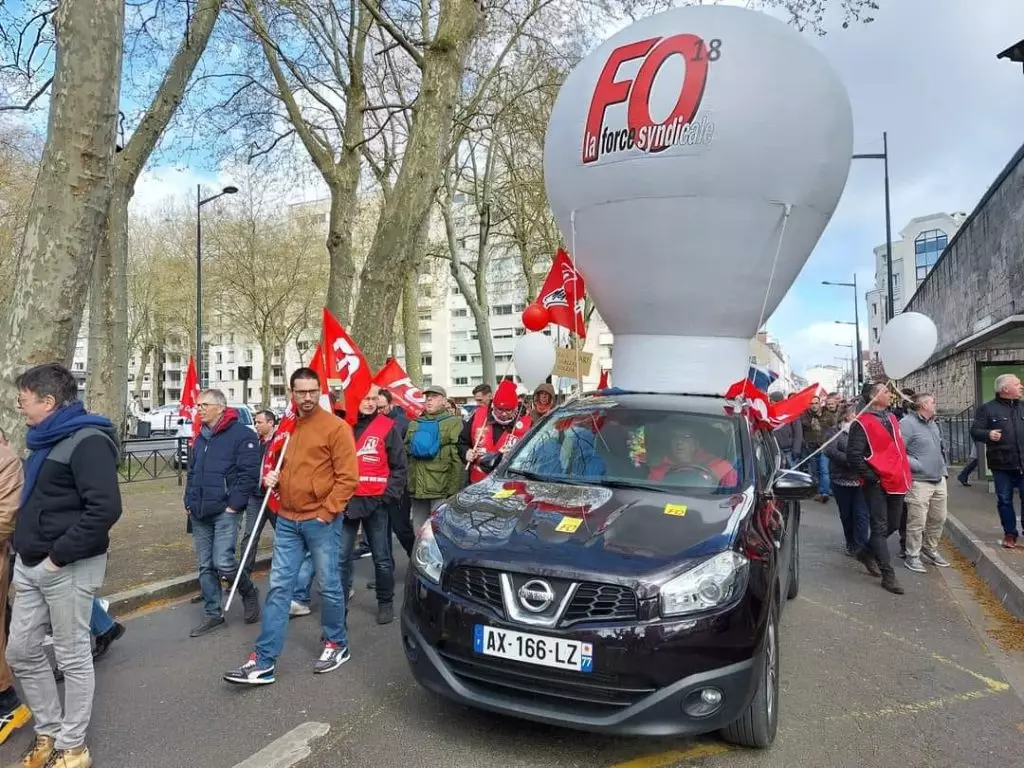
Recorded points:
1008,586
140,597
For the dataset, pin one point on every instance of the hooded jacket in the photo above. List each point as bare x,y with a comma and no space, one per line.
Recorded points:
536,415
224,469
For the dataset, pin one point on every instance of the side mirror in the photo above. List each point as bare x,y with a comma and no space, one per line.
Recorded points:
180,422
490,461
791,485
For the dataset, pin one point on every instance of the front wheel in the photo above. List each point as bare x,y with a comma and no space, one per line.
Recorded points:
758,725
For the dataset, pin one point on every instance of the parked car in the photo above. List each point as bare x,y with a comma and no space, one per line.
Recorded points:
622,571
163,419
184,433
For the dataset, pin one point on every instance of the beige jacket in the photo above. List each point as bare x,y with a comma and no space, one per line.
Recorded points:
11,480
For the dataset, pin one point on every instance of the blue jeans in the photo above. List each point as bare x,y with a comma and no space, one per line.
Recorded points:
100,622
378,534
214,539
1006,483
292,541
854,515
818,468
304,581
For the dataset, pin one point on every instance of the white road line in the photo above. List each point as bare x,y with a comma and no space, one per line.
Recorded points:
287,750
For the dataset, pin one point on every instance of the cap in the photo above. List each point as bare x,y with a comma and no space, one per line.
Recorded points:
435,389
505,396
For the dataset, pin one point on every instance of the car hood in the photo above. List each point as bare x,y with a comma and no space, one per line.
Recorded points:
585,528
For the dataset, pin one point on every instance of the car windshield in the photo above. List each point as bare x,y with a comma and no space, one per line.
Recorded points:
618,446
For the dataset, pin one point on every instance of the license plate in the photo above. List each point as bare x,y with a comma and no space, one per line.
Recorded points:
533,649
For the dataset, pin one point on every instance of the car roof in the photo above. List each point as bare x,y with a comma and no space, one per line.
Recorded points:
709,405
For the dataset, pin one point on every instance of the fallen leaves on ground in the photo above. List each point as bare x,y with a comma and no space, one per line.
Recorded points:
1003,627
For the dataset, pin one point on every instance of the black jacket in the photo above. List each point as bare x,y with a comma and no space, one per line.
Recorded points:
360,507
224,471
75,501
857,449
838,463
1007,415
401,419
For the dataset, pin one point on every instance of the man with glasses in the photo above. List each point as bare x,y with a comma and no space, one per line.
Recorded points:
319,475
223,475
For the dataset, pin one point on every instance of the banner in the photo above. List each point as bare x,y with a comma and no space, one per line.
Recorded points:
404,393
346,365
190,396
564,294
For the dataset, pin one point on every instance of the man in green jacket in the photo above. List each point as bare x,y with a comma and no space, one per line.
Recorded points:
435,470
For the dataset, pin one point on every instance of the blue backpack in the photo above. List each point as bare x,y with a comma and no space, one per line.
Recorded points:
426,440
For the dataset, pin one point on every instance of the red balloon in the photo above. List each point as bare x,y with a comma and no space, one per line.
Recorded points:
536,317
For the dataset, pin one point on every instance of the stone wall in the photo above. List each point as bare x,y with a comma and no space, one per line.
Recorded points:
952,379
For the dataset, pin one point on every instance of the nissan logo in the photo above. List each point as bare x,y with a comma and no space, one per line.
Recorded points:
536,596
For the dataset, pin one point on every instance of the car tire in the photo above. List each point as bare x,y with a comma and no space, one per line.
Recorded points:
793,588
756,728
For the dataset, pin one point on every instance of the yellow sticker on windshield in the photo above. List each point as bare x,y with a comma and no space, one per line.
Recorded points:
505,493
676,510
569,525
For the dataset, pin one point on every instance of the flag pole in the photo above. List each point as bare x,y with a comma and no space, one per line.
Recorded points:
256,526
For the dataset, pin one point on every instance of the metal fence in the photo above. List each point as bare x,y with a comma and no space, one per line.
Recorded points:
153,459
956,433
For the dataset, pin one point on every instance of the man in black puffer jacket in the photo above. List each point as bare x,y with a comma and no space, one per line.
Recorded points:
999,424
223,475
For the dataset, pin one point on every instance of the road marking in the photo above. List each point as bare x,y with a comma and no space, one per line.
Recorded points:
914,707
673,757
289,749
996,686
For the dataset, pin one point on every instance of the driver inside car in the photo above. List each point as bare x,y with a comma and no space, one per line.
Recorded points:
687,454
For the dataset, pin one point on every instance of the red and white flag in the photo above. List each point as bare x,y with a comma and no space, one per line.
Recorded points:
346,365
395,380
563,295
190,396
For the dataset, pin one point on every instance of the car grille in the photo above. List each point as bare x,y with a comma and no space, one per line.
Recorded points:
480,585
596,692
601,602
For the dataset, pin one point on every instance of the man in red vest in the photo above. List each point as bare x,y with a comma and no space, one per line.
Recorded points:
493,429
380,451
876,452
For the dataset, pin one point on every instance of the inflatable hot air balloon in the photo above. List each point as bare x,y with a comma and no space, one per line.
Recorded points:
692,162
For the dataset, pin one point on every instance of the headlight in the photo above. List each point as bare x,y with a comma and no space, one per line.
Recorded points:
712,583
426,555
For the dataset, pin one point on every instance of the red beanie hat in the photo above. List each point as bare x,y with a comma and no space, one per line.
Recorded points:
505,397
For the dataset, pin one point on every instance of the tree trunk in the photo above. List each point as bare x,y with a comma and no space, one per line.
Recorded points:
144,360
267,350
392,252
107,377
411,327
70,199
156,379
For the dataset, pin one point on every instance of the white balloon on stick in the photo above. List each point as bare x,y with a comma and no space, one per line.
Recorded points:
534,357
908,340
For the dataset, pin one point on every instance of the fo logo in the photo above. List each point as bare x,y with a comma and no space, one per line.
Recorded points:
640,131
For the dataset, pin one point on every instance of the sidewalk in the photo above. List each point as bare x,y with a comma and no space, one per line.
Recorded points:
973,527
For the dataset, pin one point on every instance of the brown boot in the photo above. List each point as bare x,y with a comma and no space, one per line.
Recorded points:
870,563
38,754
78,757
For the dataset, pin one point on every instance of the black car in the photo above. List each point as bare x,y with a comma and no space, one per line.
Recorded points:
622,570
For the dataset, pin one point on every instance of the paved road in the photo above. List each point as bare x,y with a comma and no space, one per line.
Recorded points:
869,681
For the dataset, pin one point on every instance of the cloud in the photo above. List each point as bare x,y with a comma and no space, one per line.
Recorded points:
817,344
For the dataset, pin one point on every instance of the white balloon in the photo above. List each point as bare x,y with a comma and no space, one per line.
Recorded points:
677,242
908,340
534,357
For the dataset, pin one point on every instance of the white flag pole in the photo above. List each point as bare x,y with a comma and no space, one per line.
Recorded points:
256,526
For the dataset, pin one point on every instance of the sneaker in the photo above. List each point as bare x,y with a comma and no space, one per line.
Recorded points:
933,557
889,583
251,603
361,552
964,483
13,720
1010,541
209,624
903,554
298,609
385,613
251,673
333,656
104,641
913,563
196,600
371,585
38,753
870,563
78,757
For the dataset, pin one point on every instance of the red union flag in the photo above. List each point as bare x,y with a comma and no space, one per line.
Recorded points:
395,380
190,396
563,295
346,366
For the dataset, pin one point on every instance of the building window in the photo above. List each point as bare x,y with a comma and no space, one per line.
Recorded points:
461,381
426,317
231,393
79,366
220,375
474,335
897,293
277,391
505,358
477,380
503,309
428,380
461,358
426,359
874,309
462,312
504,333
302,346
220,357
277,371
475,359
426,337
248,355
928,246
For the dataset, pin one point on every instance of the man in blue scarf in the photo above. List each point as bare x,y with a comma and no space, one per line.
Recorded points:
70,501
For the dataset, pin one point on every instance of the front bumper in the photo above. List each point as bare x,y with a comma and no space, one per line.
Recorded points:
605,701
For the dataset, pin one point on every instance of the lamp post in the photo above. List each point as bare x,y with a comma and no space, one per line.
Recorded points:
859,378
1014,53
853,376
884,157
200,202
844,361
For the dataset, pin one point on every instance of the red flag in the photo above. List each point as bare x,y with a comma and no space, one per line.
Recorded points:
395,380
346,366
603,382
563,295
790,409
746,397
190,396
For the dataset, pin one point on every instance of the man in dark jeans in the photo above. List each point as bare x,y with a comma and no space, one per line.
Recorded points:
875,451
999,424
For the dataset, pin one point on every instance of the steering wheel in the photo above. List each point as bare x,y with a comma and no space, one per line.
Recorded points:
705,474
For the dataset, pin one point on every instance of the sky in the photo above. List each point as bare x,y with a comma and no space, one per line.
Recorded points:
926,72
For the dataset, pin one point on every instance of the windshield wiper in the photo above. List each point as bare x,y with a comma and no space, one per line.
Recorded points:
543,478
640,486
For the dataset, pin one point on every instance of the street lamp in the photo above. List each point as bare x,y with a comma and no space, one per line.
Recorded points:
853,375
1014,53
856,324
200,202
884,156
844,361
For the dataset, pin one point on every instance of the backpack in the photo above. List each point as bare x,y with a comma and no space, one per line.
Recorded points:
426,440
